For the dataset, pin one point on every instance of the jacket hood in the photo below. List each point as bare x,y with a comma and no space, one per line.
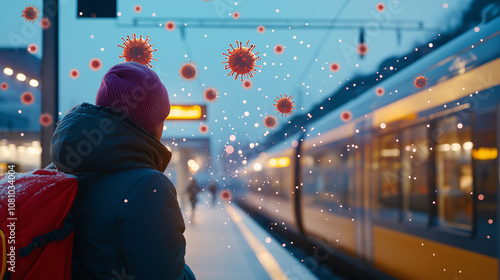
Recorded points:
95,139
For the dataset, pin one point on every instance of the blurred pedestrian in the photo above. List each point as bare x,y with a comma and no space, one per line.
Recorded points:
213,191
127,219
192,190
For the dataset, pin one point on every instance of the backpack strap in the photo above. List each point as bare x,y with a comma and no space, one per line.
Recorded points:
44,239
4,254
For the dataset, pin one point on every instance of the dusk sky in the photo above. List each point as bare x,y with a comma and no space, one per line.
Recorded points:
302,70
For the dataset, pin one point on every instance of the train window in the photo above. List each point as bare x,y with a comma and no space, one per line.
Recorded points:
328,177
388,163
414,174
454,172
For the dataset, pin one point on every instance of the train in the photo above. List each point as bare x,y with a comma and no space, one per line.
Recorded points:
409,185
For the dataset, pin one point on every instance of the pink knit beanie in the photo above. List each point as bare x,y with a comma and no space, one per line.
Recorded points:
136,91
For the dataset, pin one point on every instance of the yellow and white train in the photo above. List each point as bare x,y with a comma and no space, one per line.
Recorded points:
409,185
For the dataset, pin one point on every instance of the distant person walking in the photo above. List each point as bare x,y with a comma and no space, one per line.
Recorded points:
213,191
192,190
128,223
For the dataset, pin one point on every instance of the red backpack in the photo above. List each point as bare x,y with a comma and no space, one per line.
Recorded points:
36,228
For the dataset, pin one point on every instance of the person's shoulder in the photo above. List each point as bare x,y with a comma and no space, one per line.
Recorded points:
153,175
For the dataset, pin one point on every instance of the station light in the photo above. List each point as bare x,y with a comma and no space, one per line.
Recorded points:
193,165
8,71
187,112
279,162
257,166
33,83
21,77
468,145
485,153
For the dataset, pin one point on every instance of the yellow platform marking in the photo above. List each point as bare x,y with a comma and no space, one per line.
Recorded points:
263,255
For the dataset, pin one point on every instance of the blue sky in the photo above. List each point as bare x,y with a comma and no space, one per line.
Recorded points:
237,111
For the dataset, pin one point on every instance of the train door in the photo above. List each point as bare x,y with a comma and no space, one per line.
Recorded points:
362,217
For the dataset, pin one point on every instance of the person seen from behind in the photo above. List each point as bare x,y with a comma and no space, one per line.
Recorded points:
128,224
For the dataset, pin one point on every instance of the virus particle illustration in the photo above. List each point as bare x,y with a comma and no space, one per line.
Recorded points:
362,49
170,25
4,86
270,121
211,94
225,194
278,49
379,91
334,67
236,15
420,82
45,119
241,60
203,128
380,7
30,13
138,50
188,71
261,29
95,64
27,98
247,84
45,23
137,8
74,73
346,116
284,105
32,48
229,149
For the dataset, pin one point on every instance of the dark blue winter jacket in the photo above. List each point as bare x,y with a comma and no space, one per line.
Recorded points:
128,224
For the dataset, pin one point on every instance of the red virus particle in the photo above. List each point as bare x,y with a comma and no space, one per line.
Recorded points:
380,91
27,98
225,194
203,128
380,7
334,67
420,82
278,49
30,13
137,8
270,121
170,25
95,64
241,60
362,49
74,73
346,116
45,23
211,94
247,84
138,50
261,29
32,48
284,105
188,71
45,119
4,86
236,15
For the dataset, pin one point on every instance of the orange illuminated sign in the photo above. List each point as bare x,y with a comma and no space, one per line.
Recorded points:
187,112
